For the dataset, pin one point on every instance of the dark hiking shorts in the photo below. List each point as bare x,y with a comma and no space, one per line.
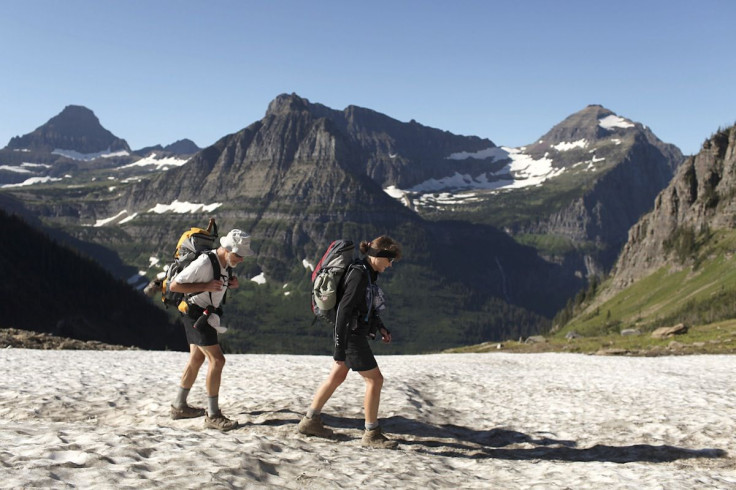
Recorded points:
358,354
202,336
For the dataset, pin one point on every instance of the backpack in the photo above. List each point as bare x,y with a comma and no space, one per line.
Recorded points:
191,245
327,276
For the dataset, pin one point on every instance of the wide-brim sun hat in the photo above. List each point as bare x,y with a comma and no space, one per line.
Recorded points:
237,242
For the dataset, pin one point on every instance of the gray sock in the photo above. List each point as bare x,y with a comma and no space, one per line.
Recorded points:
181,397
372,425
213,407
312,412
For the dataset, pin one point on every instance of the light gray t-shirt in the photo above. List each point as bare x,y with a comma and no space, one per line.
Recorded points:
200,270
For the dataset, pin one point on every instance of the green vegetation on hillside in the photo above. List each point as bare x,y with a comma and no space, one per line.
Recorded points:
701,291
714,338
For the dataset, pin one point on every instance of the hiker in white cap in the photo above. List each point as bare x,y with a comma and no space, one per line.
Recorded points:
205,282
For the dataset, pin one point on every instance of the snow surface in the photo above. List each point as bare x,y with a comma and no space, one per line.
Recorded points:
100,419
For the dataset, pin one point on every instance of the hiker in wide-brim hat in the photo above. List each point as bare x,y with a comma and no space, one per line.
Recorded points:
205,282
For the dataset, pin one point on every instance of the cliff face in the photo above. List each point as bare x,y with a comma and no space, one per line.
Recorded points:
394,152
700,197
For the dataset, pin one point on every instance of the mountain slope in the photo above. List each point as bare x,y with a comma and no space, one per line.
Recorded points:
677,265
297,180
573,194
51,289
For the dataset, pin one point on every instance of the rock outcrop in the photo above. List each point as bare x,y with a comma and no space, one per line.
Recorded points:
699,198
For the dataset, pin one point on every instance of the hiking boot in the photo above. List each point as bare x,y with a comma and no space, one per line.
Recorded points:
186,413
314,427
219,422
375,438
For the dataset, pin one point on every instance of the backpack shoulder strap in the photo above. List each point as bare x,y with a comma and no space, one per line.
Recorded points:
212,255
215,263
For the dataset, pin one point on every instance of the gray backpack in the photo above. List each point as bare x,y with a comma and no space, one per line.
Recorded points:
328,275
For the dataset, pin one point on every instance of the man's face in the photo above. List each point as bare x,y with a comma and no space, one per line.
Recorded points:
233,259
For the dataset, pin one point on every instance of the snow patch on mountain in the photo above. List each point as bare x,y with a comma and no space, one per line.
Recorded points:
522,170
497,153
564,146
75,155
16,169
107,221
612,122
33,181
176,207
159,163
259,279
184,207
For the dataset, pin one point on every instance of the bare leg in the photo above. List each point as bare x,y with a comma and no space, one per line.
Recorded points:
196,358
337,375
216,362
373,384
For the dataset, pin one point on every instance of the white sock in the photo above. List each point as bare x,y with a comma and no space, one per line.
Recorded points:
181,397
213,407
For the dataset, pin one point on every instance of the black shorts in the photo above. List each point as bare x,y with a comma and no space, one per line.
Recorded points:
358,354
202,336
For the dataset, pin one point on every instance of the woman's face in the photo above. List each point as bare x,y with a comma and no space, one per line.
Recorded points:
380,264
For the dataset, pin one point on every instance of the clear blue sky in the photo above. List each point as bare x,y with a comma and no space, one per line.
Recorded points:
156,71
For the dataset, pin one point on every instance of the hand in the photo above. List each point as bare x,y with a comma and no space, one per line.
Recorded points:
213,286
233,283
385,336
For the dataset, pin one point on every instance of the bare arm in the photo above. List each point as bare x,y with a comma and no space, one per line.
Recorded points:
213,286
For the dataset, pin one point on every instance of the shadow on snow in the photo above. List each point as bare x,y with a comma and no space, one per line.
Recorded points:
498,443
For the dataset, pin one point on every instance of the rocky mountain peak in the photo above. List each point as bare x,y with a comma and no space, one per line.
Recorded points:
591,124
182,147
286,103
76,128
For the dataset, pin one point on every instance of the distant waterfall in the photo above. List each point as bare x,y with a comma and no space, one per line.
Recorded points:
504,286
